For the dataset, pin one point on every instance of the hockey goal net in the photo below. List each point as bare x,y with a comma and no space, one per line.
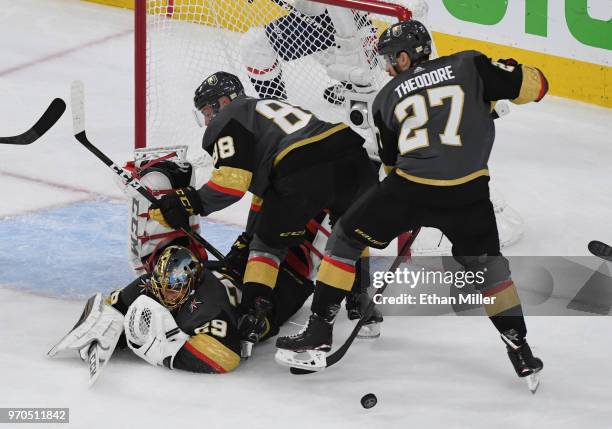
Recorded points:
276,47
282,48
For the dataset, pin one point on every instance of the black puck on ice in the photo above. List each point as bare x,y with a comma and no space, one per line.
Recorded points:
369,400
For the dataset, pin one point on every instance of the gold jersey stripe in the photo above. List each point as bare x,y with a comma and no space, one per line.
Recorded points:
531,88
232,178
256,201
261,272
283,153
388,168
214,352
335,276
443,182
504,300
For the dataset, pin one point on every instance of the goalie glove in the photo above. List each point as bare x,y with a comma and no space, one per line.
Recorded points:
152,333
173,210
99,323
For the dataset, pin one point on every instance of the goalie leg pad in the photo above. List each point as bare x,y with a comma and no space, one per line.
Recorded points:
257,53
99,323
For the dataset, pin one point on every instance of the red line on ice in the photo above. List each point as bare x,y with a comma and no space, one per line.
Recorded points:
63,53
50,184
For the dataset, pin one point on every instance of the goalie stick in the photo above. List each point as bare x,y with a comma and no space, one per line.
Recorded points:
47,120
339,354
601,249
78,121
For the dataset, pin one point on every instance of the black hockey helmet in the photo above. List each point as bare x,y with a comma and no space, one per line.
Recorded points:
407,36
217,85
174,276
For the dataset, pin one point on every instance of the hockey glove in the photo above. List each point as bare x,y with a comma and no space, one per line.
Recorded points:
152,333
173,210
238,255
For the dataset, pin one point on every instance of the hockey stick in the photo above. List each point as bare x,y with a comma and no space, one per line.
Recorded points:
601,249
78,122
47,120
339,354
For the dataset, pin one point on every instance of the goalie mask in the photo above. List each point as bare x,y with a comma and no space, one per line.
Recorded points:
216,85
408,36
174,276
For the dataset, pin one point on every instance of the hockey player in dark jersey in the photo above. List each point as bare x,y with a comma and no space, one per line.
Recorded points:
183,315
297,163
436,135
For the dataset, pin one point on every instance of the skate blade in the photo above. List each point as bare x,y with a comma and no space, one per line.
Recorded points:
533,382
246,349
369,331
310,360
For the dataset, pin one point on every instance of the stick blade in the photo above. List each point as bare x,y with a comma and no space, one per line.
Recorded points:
55,111
299,371
93,359
601,249
77,103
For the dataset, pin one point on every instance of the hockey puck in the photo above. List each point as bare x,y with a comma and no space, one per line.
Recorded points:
369,400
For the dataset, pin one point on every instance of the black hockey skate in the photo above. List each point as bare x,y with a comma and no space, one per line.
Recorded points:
525,364
253,325
307,348
356,304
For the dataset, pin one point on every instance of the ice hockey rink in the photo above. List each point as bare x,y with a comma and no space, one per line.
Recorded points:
63,229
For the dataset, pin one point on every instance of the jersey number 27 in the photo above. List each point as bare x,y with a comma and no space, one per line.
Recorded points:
413,114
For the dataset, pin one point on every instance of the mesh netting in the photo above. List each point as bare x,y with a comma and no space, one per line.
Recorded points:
275,49
139,324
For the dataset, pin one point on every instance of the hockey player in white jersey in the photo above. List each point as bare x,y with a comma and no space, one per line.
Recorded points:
311,29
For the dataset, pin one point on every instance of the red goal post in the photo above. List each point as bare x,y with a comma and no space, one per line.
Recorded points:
161,16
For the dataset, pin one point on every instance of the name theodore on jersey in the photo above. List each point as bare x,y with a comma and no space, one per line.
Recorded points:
424,80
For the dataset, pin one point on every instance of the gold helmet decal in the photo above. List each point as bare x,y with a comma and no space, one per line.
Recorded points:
174,276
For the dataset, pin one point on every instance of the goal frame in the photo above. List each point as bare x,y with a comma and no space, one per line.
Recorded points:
140,50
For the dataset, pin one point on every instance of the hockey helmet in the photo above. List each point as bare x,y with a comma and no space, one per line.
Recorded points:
407,36
174,276
215,86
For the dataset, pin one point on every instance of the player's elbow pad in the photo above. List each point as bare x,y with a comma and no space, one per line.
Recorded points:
534,85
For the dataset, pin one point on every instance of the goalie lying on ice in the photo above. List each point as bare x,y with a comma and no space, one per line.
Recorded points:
183,315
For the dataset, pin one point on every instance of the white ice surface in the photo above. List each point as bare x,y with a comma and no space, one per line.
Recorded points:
551,162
